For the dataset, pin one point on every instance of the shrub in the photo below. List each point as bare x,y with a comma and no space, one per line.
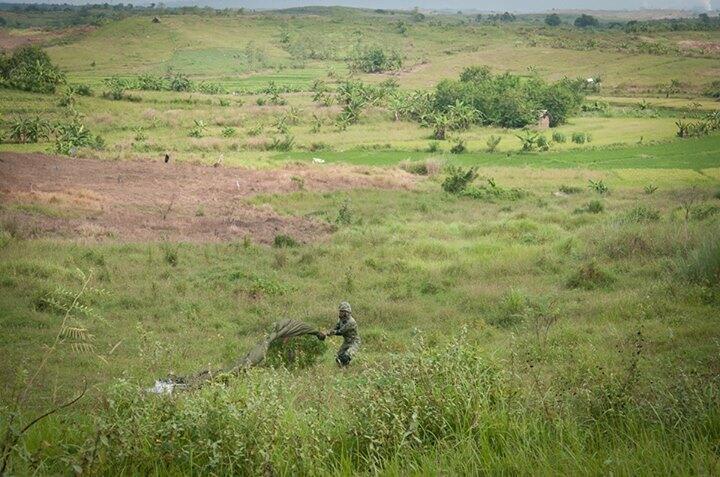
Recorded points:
284,241
170,254
704,211
589,277
198,130
28,130
559,137
427,167
650,189
553,20
81,89
713,89
492,143
542,143
375,60
433,146
140,134
458,179
345,214
566,189
295,353
598,186
585,21
592,207
284,143
458,146
148,82
528,140
579,137
211,88
72,135
229,132
511,311
255,130
702,264
492,192
507,100
30,69
115,88
641,214
180,82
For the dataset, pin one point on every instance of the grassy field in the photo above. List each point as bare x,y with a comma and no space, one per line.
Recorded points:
557,316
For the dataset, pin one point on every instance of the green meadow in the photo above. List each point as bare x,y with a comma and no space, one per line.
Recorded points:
555,314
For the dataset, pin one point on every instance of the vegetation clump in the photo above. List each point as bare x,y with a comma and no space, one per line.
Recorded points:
590,276
29,68
375,59
506,100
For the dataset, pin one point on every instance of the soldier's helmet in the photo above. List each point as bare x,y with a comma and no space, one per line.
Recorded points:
345,306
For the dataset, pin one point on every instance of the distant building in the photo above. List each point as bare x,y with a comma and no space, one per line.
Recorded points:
543,119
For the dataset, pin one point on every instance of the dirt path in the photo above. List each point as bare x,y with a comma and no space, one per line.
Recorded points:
141,200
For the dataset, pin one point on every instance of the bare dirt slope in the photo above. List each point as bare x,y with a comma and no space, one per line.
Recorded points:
142,200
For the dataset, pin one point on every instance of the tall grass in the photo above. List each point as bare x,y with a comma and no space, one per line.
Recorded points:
429,410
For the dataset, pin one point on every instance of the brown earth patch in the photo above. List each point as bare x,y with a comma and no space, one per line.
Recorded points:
11,39
711,47
76,198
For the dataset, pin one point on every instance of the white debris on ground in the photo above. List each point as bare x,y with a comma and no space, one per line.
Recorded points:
317,160
163,387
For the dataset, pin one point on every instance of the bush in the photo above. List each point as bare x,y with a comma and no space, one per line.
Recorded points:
492,192
585,21
579,137
295,353
72,135
559,137
81,90
458,146
553,20
180,82
284,143
641,214
589,277
28,130
506,100
598,186
198,130
702,265
30,69
566,189
115,88
458,179
148,82
592,207
229,132
713,89
704,211
492,143
284,241
375,60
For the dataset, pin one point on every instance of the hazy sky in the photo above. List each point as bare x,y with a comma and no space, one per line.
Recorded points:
484,5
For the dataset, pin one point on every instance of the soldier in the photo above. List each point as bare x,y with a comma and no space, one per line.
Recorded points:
347,328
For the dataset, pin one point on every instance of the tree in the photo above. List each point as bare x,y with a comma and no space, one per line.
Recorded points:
553,20
30,69
585,21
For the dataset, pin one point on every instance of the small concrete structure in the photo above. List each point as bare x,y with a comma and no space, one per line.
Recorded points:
543,119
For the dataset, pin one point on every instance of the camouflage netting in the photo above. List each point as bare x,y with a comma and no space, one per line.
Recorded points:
281,330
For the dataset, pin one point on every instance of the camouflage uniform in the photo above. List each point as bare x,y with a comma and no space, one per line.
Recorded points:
347,328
